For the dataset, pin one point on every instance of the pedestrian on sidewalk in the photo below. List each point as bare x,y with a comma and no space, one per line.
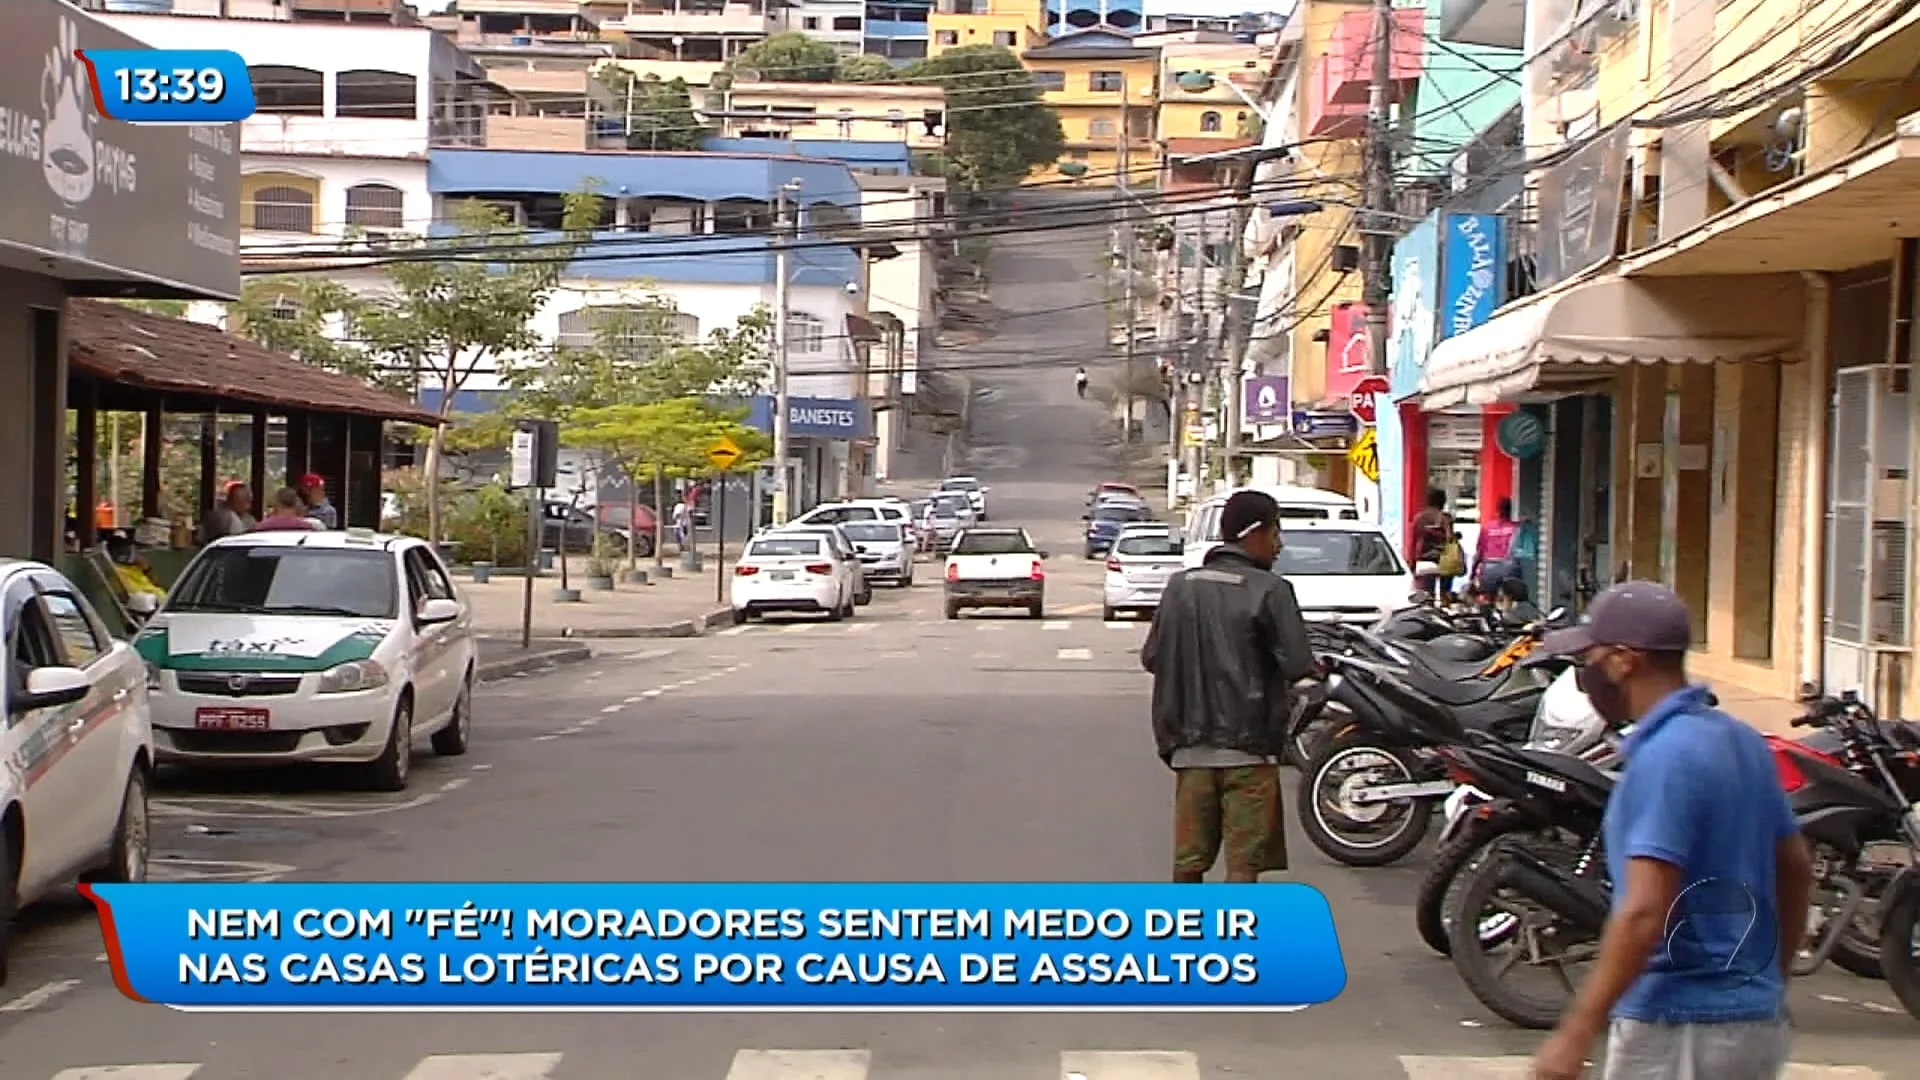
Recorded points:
1080,381
289,513
1432,534
1493,551
1226,646
682,524
313,493
1710,874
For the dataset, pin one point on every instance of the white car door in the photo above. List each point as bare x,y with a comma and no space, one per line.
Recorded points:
53,798
431,644
461,647
97,756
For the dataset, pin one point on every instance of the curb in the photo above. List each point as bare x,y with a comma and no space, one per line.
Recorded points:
683,628
497,670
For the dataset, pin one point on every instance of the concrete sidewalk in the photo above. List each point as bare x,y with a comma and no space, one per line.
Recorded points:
680,606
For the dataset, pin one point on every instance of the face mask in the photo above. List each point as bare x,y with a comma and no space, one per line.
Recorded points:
1605,694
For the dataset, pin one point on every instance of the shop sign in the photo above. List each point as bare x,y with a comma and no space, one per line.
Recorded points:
1521,436
814,418
113,200
1473,271
1324,425
1267,399
1349,350
1416,283
1579,202
1454,431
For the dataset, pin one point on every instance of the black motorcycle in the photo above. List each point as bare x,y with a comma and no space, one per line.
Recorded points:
1367,796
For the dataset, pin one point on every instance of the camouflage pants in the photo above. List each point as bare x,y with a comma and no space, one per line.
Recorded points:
1236,808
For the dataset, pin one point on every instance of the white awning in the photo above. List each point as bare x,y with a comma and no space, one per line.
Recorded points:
1550,345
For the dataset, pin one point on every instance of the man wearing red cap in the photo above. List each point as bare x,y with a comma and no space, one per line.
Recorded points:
313,490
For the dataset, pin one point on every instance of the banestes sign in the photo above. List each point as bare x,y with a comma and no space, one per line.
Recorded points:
815,418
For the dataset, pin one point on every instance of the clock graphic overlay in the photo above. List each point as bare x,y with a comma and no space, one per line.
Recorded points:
169,86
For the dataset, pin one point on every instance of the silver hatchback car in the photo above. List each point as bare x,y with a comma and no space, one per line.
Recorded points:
885,552
1141,560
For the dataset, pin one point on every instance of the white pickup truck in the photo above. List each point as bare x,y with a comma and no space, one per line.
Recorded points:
996,568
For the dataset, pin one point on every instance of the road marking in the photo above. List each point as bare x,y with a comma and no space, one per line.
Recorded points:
129,1073
986,627
797,628
485,1067
455,784
568,731
860,628
587,723
1075,654
650,693
634,700
1519,1068
1127,625
1129,1065
595,674
1056,624
1079,609
897,655
39,996
545,738
800,1065
612,709
210,806
733,631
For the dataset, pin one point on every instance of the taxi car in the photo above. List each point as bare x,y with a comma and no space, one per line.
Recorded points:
77,748
330,647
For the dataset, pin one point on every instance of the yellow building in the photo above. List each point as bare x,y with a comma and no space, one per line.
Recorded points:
1757,454
859,112
1011,24
1100,85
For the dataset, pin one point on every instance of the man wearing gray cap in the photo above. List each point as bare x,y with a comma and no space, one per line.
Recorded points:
1710,874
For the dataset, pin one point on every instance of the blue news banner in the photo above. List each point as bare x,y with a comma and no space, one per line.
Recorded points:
722,947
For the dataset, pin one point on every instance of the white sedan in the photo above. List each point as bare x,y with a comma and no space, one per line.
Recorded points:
793,572
335,647
78,746
1143,557
1342,571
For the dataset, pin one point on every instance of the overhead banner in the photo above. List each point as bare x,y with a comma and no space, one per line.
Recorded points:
1473,271
1416,281
1349,349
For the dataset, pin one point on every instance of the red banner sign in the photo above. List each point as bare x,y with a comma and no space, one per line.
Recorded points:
1349,352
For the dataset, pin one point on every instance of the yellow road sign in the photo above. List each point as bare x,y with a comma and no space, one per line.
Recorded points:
1365,455
724,453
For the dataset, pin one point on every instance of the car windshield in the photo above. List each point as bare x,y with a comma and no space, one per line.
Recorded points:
1209,525
858,513
1335,553
1150,545
780,546
1121,512
871,531
267,580
993,543
959,484
951,502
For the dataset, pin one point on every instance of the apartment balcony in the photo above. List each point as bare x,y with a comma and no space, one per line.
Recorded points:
1328,118
1349,59
745,19
1497,23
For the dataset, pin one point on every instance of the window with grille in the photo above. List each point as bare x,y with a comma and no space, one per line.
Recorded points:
1868,520
1101,127
1045,81
1003,38
282,209
805,333
376,206
632,331
1210,121
947,37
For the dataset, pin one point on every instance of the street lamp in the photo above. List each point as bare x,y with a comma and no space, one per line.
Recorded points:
1202,82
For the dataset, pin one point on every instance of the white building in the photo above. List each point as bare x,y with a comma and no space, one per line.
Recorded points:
840,23
903,287
346,114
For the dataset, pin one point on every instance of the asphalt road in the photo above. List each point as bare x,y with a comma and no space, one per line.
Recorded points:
897,746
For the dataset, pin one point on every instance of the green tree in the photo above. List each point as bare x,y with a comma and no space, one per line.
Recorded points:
998,129
472,436
789,57
658,115
302,317
866,68
473,306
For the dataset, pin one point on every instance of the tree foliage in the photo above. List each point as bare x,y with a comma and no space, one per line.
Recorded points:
998,129
638,357
866,68
789,57
304,317
674,435
658,115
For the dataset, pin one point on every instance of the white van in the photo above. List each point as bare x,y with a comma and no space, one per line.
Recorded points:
1202,530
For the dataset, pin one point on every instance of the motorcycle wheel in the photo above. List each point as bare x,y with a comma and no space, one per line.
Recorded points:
1431,907
1305,743
1483,970
1858,950
1898,924
1341,832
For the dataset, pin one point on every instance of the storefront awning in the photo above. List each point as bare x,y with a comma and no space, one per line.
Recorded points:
1556,343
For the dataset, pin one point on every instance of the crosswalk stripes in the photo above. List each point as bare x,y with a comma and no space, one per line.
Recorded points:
858,1064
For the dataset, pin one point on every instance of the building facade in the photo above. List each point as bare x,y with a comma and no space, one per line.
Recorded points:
1757,268
1015,25
851,112
1100,85
840,23
899,30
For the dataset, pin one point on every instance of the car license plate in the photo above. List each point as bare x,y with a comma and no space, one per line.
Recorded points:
781,575
232,719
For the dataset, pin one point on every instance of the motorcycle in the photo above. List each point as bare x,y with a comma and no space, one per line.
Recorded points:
1367,796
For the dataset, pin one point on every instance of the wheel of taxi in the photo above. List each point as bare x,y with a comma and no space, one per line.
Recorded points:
451,741
132,851
390,771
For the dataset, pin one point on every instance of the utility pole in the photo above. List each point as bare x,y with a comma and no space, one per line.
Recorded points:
1173,347
1239,329
781,258
1128,241
1376,288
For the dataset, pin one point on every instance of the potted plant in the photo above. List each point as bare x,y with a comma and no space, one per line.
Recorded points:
497,513
601,564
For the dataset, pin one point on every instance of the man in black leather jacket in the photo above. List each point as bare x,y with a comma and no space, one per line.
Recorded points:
1227,644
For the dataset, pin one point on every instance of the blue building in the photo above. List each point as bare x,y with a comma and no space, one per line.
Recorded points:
1074,16
897,29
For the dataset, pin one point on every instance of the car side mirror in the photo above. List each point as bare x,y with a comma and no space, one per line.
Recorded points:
52,687
438,611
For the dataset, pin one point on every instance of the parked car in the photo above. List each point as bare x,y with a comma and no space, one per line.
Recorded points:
793,572
996,568
945,519
960,504
613,520
569,529
975,492
842,513
78,744
843,549
328,647
1107,518
1142,559
1202,532
1342,571
1111,487
885,554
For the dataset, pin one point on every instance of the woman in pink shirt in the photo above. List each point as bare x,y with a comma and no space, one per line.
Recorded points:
1496,540
288,514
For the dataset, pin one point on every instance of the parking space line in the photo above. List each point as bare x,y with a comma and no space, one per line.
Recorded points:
1056,624
732,631
1075,654
39,996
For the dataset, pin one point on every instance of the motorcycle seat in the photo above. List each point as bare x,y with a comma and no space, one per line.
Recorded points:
1572,768
1451,682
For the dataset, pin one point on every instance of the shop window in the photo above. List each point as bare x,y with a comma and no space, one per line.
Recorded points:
388,95
295,90
805,333
376,206
1210,122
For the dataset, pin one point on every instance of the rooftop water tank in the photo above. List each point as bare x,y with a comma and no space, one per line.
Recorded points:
138,7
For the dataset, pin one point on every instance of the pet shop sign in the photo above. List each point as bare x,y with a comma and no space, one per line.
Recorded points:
101,198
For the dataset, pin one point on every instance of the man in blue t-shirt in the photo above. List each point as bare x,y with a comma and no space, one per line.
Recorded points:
1710,874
